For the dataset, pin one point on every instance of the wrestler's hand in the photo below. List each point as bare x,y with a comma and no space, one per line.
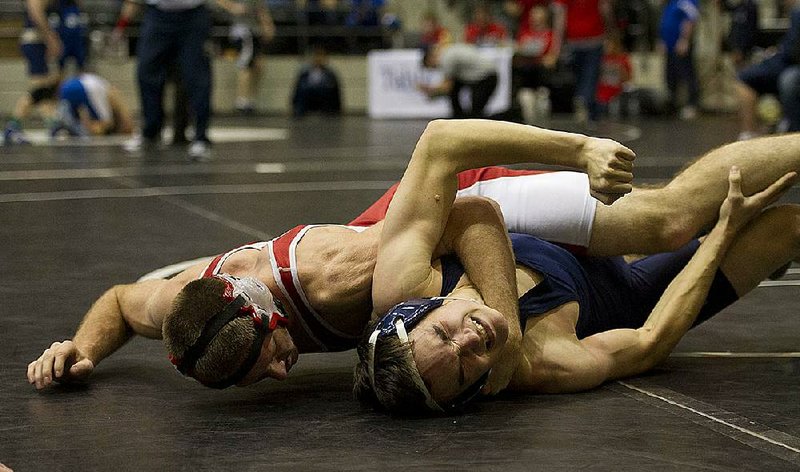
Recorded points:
507,363
62,362
737,210
609,165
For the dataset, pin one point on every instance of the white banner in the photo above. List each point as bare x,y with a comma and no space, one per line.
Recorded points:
393,77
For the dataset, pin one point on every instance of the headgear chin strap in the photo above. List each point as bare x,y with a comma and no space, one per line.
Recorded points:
239,305
402,318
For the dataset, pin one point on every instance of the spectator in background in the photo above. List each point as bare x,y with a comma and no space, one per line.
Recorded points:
252,28
317,87
90,105
581,25
172,31
53,31
678,22
483,30
365,13
778,74
533,63
432,31
744,28
615,75
463,67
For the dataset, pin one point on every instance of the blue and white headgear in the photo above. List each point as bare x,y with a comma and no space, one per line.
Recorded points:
398,321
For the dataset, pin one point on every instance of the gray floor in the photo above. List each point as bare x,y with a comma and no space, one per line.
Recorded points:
77,219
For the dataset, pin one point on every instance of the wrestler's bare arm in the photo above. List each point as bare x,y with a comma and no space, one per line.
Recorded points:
120,313
556,361
475,232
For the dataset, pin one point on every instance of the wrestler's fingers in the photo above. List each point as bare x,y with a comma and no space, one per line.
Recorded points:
29,373
734,182
772,193
621,164
47,365
625,153
62,354
37,373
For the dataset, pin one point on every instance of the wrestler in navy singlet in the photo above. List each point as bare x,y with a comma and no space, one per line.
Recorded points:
610,292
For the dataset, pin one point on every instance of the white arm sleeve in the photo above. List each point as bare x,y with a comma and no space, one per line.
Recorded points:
555,206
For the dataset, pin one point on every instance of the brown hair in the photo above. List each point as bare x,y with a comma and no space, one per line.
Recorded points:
193,307
395,389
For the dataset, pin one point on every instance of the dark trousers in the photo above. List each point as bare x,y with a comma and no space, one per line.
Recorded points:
481,91
586,62
167,37
680,69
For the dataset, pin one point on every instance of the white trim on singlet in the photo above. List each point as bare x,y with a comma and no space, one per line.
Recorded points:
219,262
276,274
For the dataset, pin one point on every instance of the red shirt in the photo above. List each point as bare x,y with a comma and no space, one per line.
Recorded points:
434,37
584,20
614,72
491,33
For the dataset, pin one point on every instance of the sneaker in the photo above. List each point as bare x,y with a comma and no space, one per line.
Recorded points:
200,151
139,143
745,135
688,113
581,114
527,103
14,136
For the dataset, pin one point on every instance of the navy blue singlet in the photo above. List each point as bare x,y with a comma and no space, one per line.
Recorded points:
610,293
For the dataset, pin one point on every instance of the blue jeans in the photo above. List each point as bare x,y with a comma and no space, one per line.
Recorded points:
168,37
586,61
789,94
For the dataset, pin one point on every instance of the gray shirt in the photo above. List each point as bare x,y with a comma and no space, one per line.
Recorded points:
465,63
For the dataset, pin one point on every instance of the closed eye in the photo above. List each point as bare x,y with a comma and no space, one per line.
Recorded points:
441,334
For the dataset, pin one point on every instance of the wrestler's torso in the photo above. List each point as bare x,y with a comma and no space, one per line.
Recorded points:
333,265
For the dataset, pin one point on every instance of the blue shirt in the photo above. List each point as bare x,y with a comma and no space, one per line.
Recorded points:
675,13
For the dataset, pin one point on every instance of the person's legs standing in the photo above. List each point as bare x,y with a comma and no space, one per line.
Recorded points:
688,75
789,92
586,64
196,72
154,52
455,99
481,93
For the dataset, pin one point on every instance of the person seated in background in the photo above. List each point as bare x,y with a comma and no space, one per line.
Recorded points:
532,65
615,76
778,74
317,87
483,31
90,105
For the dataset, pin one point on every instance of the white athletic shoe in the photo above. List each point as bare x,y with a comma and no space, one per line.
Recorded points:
200,151
139,143
688,113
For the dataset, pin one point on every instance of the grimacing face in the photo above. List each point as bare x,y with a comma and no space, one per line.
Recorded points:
278,352
455,344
